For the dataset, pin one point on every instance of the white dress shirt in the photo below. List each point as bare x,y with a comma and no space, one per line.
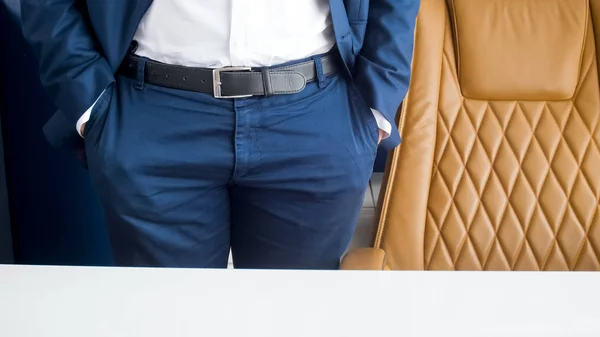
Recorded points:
252,33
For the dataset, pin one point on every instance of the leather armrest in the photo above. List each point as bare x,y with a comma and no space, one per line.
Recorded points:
364,259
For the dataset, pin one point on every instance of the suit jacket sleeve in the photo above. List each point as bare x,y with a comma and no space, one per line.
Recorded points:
72,71
383,66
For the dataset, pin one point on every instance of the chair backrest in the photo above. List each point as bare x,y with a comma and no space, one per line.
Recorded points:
499,168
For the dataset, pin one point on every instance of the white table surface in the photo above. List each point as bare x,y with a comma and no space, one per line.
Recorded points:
127,302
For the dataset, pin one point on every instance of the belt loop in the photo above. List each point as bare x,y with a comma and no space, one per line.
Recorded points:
133,46
140,73
266,77
321,79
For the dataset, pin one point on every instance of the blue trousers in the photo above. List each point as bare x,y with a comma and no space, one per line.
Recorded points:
183,176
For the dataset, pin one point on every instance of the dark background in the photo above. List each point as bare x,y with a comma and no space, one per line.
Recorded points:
48,211
55,217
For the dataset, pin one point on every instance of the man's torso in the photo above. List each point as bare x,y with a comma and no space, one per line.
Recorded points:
204,33
348,19
115,39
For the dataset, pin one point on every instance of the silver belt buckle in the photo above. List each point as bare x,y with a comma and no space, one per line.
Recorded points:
217,81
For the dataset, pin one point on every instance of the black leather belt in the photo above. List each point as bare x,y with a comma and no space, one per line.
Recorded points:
231,82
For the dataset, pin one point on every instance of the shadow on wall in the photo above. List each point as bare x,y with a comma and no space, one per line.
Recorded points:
55,216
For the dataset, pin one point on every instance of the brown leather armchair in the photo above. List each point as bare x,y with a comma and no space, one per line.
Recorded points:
499,168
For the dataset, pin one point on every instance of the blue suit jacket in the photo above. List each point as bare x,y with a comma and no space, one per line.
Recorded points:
81,43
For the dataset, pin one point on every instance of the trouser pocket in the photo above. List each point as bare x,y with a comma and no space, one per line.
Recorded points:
98,114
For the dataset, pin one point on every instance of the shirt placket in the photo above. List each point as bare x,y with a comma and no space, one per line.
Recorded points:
237,35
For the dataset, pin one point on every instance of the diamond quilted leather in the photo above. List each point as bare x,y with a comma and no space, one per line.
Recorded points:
515,185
